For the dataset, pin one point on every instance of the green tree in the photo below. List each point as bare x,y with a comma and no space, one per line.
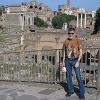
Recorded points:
58,21
2,8
97,22
40,22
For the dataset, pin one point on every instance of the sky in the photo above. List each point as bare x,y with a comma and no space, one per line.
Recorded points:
53,4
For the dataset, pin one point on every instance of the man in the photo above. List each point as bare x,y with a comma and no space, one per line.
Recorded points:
72,53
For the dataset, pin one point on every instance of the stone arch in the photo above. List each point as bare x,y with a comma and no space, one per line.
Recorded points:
40,8
31,6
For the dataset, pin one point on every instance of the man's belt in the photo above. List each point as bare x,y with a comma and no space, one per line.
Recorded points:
71,58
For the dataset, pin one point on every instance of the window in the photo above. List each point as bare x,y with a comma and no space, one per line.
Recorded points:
40,8
31,6
35,6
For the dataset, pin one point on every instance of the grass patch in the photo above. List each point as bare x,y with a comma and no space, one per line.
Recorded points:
3,33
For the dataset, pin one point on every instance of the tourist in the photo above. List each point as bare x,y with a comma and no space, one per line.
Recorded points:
72,53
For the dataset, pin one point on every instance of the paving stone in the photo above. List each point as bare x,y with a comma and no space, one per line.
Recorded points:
20,90
47,91
69,98
5,97
3,88
25,92
9,91
14,94
44,99
26,97
91,91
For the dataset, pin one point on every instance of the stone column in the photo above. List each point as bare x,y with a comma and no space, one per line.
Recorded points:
81,20
31,22
93,14
22,40
22,21
85,21
57,49
26,19
8,10
77,24
33,19
93,17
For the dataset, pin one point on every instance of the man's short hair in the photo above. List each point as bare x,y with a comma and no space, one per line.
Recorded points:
71,29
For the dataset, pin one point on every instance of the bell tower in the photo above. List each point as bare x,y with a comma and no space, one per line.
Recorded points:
68,4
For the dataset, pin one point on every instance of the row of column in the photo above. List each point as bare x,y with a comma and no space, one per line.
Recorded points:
26,19
81,21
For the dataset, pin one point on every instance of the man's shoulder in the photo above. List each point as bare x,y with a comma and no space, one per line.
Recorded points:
78,39
66,40
79,42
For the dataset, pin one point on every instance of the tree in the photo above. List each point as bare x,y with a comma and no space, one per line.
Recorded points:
39,22
59,20
97,22
2,8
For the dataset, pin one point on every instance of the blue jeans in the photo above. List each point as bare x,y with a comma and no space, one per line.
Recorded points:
69,64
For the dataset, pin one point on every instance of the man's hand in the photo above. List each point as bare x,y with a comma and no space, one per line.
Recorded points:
77,64
62,65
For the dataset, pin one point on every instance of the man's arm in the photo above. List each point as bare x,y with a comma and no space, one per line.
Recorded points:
63,54
80,55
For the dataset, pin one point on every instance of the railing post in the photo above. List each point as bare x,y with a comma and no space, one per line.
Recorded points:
98,79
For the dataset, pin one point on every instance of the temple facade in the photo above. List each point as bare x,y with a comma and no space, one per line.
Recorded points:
85,18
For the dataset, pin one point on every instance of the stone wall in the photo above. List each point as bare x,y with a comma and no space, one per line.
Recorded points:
55,40
12,19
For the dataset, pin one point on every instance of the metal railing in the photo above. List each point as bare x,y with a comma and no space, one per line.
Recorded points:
44,66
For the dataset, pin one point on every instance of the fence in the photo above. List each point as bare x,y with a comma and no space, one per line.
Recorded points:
44,66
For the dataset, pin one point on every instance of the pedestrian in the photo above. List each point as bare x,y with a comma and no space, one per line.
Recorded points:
72,53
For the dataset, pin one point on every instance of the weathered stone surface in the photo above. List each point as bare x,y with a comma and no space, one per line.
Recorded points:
5,97
26,97
47,91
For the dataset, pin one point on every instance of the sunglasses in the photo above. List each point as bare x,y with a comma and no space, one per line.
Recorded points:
71,33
